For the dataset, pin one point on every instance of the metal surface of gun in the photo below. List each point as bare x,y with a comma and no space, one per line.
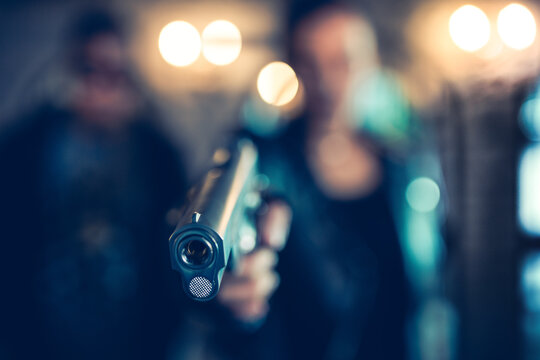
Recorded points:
218,222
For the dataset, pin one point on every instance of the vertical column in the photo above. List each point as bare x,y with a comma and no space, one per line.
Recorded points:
488,245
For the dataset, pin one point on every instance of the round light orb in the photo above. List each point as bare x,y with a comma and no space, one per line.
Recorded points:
277,83
222,42
516,26
423,194
179,43
469,28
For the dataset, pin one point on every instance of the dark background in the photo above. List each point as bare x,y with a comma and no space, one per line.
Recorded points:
486,270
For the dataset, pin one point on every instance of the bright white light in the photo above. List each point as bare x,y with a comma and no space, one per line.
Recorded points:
277,83
179,43
469,28
516,26
222,42
423,194
529,190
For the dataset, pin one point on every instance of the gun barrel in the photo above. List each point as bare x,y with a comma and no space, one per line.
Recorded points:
207,234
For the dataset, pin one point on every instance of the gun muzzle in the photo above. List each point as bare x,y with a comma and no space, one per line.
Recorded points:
216,217
195,252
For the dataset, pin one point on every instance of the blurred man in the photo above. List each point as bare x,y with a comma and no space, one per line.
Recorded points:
85,186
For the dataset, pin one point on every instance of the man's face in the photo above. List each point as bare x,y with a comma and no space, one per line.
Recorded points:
105,96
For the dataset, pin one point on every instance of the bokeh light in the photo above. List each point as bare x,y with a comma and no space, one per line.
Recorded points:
179,43
423,194
516,26
277,83
247,239
529,117
469,28
222,42
530,282
529,191
422,244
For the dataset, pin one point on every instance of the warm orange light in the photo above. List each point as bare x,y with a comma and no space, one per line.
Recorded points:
516,26
179,43
277,83
469,28
222,42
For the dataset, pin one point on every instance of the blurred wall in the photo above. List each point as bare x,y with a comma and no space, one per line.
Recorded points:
200,104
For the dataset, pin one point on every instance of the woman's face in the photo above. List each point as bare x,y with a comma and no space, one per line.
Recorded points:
330,51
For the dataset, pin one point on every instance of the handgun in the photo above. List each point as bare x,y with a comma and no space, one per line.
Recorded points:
218,222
